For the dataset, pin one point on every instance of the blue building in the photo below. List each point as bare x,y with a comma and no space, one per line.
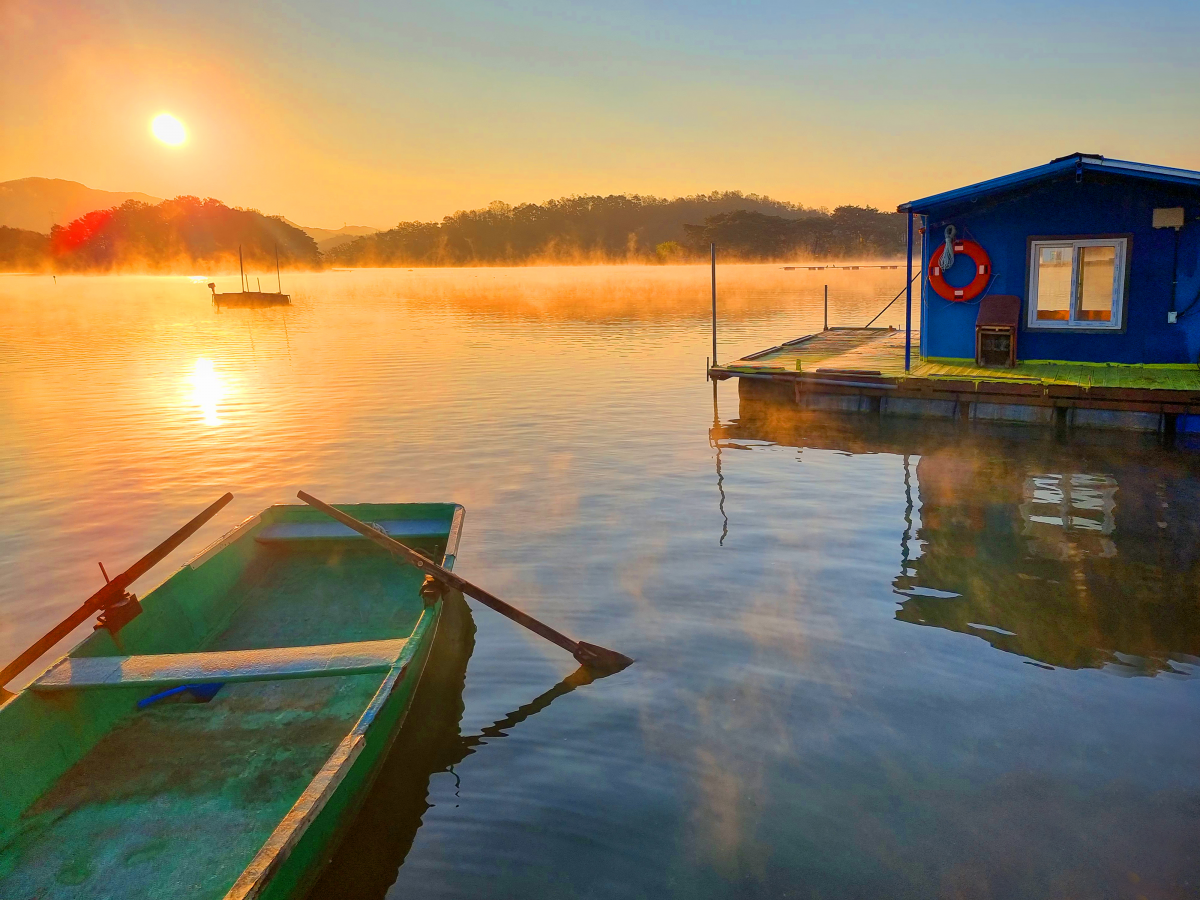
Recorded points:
1103,254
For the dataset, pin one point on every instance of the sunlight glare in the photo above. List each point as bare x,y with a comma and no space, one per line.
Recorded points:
168,129
207,390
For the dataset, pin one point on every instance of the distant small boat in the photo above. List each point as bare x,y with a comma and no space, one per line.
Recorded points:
219,743
246,297
249,298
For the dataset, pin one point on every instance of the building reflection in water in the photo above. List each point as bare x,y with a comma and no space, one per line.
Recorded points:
1074,554
1062,511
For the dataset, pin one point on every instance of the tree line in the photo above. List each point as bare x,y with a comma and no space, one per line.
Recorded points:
631,229
187,233
849,232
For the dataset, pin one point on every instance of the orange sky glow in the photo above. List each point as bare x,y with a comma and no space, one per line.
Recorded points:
371,114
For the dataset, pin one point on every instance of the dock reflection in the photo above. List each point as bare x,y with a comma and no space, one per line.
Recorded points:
1082,553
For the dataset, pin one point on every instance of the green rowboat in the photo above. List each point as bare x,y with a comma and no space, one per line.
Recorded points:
122,773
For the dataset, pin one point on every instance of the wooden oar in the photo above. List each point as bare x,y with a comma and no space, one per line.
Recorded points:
112,593
599,660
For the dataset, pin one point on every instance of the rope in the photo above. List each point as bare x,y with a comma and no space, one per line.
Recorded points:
947,261
893,300
1188,309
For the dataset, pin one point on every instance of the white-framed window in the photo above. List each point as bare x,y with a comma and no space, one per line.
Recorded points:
1077,283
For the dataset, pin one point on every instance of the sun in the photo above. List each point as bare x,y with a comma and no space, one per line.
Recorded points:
168,129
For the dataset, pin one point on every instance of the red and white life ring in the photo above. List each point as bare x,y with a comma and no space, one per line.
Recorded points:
983,272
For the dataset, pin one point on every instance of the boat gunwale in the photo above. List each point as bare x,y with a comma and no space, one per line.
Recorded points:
257,875
231,536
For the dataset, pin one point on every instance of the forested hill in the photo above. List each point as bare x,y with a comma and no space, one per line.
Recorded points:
631,228
849,232
180,235
22,250
187,234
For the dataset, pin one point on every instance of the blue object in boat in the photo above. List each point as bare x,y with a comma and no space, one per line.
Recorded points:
202,692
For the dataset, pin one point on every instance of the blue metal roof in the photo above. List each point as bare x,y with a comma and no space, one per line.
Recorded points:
1076,162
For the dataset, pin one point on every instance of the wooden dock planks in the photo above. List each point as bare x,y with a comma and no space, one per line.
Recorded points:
842,348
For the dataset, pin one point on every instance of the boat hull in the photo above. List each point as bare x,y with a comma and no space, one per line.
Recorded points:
252,299
247,794
297,872
381,832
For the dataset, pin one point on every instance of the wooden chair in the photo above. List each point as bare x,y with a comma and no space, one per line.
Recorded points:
996,331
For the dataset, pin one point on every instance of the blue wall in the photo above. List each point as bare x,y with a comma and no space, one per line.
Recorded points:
1101,204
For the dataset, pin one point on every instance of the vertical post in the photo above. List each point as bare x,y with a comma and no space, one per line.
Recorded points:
922,347
1174,277
908,300
241,270
712,251
278,283
826,308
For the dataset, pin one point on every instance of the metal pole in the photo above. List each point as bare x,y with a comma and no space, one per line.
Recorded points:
241,270
826,307
924,298
712,251
278,282
908,301
1175,273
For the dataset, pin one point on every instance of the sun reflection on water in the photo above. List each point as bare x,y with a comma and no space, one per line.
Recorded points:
207,390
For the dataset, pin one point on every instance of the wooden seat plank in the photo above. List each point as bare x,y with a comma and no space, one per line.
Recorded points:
335,531
274,664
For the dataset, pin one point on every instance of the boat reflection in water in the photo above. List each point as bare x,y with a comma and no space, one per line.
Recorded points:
377,842
1075,553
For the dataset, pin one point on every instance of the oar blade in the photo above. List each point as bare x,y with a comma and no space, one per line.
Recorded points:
600,661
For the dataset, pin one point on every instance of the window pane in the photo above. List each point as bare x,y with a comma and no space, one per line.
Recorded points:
1097,270
1053,299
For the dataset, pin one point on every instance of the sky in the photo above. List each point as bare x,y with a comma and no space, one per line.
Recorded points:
373,112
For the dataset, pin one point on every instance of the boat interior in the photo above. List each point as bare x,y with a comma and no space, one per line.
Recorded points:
156,763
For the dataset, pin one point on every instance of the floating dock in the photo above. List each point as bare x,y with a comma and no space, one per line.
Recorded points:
862,370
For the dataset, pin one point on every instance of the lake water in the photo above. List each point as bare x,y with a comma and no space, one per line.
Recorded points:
873,660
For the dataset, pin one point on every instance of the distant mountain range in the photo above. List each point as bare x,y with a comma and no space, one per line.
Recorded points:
37,204
330,239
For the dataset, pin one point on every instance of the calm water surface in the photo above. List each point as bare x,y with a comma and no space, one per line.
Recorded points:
873,661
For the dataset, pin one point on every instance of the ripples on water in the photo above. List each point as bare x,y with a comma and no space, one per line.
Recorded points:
873,660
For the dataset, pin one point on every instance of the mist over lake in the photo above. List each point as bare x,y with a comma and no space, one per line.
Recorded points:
872,660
